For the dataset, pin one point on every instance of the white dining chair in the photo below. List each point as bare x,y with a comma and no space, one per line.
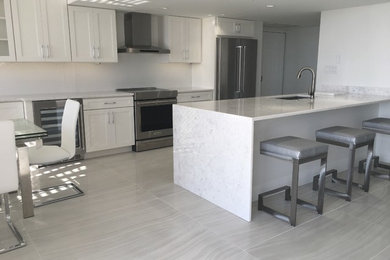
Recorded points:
9,177
50,154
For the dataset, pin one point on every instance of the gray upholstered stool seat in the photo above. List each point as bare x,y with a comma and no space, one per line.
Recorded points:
351,138
345,136
379,125
299,151
290,147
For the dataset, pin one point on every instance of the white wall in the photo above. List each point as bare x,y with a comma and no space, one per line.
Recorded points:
132,70
354,48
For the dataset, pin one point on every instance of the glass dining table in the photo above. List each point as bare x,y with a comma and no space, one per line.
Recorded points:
26,130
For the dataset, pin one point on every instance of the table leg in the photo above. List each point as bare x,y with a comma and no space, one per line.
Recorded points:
25,182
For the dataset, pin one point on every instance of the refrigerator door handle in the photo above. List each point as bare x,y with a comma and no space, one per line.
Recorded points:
239,68
243,71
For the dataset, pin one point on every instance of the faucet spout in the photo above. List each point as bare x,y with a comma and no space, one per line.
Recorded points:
312,88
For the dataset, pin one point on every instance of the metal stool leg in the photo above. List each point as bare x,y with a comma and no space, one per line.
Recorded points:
350,173
294,193
321,186
366,185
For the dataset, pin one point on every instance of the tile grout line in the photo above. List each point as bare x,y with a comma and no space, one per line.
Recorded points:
380,252
206,228
308,221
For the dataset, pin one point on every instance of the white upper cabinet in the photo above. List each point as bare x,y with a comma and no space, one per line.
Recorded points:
234,27
7,46
41,30
93,34
183,36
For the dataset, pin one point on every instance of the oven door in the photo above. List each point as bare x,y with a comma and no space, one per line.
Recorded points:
153,118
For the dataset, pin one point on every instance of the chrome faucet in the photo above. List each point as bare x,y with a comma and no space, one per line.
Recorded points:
312,89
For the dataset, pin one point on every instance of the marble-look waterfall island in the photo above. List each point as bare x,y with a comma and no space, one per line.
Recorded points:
217,143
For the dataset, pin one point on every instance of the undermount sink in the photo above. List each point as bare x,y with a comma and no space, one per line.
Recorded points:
293,97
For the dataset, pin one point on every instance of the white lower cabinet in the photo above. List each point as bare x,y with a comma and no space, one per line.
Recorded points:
109,128
194,96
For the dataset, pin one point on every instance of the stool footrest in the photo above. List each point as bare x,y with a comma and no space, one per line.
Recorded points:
309,205
287,197
316,178
361,186
286,190
338,194
376,164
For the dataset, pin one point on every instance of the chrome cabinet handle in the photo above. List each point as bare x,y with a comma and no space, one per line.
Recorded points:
48,51
93,52
113,117
43,51
110,103
98,52
195,96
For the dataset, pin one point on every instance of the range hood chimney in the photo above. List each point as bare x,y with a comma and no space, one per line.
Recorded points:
138,34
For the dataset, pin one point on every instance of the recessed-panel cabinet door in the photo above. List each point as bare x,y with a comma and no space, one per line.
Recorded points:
176,38
7,46
98,130
194,40
105,36
123,119
26,17
82,34
56,30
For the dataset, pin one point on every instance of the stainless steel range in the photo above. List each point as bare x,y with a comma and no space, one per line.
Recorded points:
153,117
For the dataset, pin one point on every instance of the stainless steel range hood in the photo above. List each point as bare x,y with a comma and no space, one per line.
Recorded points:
138,34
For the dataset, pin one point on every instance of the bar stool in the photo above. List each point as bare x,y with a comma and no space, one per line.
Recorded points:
351,138
379,125
299,151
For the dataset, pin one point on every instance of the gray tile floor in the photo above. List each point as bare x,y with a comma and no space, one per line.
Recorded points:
132,210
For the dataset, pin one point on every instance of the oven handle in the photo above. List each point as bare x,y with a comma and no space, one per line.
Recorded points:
156,102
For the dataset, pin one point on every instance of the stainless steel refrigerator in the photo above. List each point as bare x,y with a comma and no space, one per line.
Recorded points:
236,68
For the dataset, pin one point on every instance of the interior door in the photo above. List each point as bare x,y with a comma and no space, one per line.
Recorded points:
228,67
273,63
249,68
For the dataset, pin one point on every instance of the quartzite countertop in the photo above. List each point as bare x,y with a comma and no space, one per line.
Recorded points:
52,96
217,143
261,108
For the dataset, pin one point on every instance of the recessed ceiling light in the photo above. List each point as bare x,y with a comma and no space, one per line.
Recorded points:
270,6
165,8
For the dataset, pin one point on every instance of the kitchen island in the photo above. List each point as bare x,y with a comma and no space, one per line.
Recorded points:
217,150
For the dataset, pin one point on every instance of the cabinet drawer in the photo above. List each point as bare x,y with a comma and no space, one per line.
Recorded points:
11,110
102,103
195,96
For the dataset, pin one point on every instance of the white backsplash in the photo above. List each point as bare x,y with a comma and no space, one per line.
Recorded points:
359,90
132,70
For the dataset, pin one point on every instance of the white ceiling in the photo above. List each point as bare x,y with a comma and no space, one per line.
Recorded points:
291,12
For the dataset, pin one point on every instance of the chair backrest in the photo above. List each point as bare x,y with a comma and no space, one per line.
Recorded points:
68,129
9,170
